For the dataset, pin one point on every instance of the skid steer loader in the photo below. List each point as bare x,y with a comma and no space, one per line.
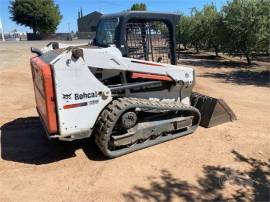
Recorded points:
123,87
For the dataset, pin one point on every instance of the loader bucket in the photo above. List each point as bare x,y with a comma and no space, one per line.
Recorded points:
213,111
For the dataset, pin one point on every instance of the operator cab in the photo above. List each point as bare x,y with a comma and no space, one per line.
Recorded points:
139,34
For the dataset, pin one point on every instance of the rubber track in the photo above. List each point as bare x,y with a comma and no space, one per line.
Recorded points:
117,107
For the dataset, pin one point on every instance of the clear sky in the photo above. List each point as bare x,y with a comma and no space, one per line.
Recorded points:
69,9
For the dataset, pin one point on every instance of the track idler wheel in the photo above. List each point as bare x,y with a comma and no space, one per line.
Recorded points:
128,120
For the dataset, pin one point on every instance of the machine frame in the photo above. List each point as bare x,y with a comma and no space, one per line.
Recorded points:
128,103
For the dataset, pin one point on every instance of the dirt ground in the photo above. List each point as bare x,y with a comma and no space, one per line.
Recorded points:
228,162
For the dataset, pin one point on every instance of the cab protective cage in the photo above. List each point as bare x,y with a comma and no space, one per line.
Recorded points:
124,18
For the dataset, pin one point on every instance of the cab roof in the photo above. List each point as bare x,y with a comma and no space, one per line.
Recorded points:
145,15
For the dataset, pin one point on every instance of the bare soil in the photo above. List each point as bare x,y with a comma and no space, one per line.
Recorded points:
227,162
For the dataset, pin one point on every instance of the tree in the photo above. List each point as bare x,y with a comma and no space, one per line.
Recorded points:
211,27
246,26
183,30
263,15
138,7
41,16
196,29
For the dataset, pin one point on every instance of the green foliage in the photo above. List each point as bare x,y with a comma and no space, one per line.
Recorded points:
211,27
263,14
242,26
196,29
183,31
245,23
138,7
201,29
41,16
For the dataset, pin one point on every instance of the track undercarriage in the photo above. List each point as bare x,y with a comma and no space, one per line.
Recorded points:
129,124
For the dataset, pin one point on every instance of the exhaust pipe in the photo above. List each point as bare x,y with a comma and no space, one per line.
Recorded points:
213,111
36,51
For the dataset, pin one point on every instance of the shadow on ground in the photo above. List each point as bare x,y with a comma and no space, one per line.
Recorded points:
24,140
216,63
205,59
251,185
194,55
243,77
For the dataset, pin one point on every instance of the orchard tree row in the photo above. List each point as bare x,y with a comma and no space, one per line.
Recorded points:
240,27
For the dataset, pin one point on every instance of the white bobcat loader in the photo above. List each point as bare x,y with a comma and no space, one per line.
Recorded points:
124,87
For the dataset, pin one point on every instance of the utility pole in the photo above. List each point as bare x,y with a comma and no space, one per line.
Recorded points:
2,30
68,27
69,37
